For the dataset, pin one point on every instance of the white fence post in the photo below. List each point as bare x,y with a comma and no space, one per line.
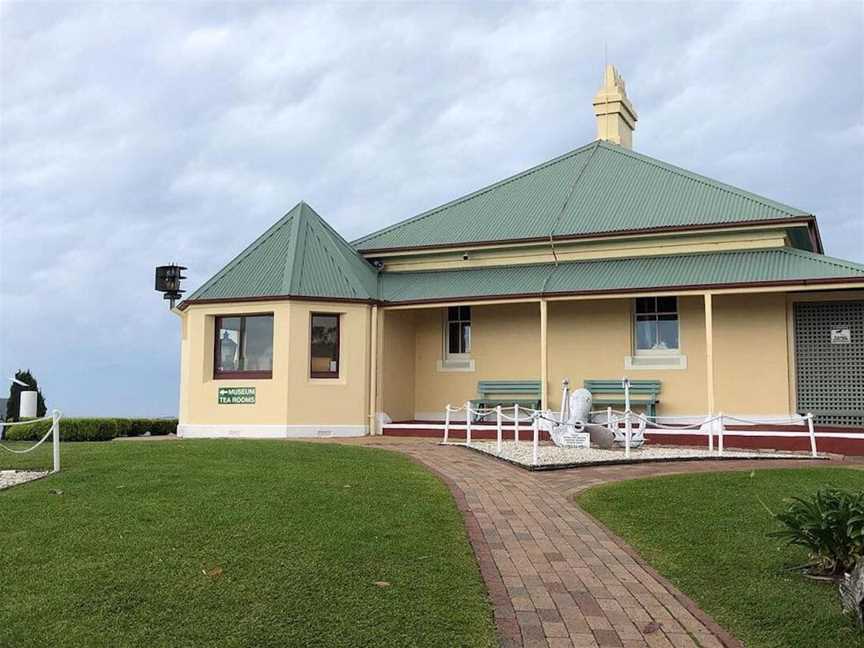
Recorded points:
536,426
498,422
516,422
708,426
447,423
628,429
720,435
812,434
55,424
609,419
467,422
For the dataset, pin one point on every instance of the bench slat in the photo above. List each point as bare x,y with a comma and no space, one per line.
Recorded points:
648,389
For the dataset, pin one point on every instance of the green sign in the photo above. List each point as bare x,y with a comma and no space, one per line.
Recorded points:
236,395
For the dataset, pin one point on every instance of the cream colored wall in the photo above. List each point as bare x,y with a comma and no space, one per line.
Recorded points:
397,365
505,343
333,401
290,397
198,387
751,354
590,339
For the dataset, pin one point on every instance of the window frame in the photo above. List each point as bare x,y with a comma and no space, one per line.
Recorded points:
326,375
254,374
671,351
448,355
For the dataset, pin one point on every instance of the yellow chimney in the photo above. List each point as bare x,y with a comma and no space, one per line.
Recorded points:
616,117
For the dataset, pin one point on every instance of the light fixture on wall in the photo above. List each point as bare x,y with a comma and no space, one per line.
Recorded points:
168,279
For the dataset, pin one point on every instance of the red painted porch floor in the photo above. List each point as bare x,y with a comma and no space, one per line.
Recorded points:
487,431
556,576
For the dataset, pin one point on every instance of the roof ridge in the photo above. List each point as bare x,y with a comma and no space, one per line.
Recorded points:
334,244
292,259
245,252
476,193
704,180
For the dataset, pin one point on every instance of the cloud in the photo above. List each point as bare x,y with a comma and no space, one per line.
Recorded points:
136,134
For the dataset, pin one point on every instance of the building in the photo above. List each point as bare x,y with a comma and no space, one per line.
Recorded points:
600,263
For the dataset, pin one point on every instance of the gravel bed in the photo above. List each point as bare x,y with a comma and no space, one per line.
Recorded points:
9,478
550,456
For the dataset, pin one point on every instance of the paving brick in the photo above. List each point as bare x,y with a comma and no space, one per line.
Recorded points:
550,569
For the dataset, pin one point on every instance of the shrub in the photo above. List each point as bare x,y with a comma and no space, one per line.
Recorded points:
92,429
830,525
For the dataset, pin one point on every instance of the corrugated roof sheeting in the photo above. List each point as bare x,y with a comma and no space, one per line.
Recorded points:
300,255
613,189
719,268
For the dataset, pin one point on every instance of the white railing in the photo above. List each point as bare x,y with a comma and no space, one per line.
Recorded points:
712,427
53,431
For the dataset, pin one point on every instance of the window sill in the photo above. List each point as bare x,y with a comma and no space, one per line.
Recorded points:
456,366
244,375
655,362
336,380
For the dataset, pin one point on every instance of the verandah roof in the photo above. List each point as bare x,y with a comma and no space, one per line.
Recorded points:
705,270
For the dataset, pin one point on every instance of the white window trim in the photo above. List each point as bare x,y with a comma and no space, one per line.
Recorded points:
655,362
656,359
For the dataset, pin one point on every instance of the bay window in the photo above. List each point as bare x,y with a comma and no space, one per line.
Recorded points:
243,346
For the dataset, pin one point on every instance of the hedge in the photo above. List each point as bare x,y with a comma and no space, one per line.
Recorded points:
92,429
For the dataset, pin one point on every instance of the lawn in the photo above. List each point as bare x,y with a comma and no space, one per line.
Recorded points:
235,543
707,534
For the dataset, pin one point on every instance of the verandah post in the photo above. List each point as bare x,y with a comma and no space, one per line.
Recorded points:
467,422
812,434
498,426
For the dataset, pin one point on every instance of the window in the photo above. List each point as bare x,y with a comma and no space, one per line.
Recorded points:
656,325
243,346
324,345
458,330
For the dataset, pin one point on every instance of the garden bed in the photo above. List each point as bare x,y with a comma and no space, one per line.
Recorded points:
551,457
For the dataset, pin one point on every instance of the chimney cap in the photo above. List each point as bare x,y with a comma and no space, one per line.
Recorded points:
616,116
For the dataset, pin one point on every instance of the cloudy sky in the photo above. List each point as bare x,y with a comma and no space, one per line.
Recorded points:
135,134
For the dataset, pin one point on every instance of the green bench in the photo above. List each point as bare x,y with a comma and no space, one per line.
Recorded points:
642,392
491,393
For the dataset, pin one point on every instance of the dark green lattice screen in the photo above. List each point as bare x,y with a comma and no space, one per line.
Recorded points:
829,361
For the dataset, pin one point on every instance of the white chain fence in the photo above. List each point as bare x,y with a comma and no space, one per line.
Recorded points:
712,427
53,431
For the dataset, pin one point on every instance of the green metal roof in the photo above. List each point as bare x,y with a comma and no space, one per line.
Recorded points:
786,265
299,256
598,188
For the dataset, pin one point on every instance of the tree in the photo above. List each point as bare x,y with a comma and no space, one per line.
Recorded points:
13,404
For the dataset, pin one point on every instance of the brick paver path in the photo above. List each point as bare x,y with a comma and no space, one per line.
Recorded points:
557,577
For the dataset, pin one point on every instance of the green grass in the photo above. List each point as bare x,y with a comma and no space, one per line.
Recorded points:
235,543
707,534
